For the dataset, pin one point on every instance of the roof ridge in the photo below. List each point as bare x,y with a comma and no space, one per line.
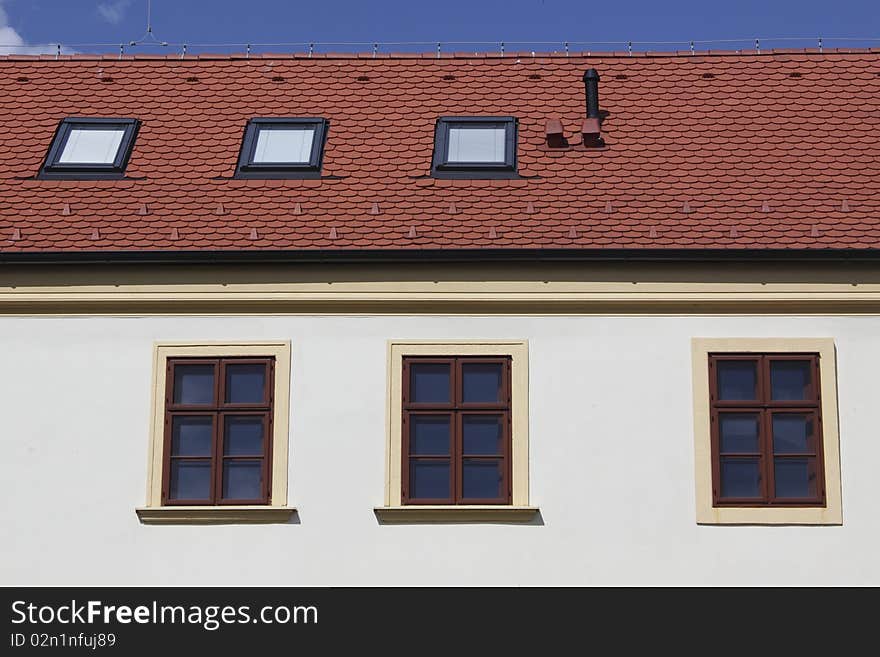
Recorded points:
512,55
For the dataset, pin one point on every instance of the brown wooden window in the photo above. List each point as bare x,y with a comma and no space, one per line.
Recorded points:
766,430
218,429
456,430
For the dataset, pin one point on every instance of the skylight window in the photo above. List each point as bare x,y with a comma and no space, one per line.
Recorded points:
282,148
475,147
283,144
90,148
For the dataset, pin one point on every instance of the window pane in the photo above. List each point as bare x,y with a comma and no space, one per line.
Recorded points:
481,479
91,146
481,382
243,436
481,434
793,478
283,145
791,432
789,379
190,480
429,435
242,480
245,383
429,382
476,144
738,432
429,479
194,384
191,436
740,478
737,379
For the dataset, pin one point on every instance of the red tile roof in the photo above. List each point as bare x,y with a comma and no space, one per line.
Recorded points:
732,151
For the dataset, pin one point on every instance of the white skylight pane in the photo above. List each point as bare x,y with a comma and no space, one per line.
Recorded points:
476,144
283,146
91,146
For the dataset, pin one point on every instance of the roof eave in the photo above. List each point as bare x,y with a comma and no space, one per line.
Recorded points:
441,255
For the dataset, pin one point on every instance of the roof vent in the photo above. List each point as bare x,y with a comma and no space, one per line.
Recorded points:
555,134
591,129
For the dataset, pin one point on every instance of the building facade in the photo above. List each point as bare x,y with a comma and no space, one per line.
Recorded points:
518,320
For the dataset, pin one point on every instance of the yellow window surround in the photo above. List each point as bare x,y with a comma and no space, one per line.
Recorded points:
277,510
831,513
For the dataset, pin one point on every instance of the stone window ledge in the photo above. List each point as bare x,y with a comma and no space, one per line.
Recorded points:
454,513
215,515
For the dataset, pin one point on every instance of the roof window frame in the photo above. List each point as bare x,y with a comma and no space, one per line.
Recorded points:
441,167
247,168
54,169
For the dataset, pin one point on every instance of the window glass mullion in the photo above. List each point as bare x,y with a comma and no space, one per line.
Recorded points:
455,465
455,461
216,460
767,456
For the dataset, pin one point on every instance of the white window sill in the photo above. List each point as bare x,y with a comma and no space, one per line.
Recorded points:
456,513
215,515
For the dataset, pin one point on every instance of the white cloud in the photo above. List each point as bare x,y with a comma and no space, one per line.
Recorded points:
12,43
113,12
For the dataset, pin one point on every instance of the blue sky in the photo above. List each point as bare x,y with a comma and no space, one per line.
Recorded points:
33,22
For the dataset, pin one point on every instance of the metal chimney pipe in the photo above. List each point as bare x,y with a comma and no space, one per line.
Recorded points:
591,90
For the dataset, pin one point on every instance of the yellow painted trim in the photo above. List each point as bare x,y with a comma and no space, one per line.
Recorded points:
524,288
452,514
214,515
161,352
519,395
832,513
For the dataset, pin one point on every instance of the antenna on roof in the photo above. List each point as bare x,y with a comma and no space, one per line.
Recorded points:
149,33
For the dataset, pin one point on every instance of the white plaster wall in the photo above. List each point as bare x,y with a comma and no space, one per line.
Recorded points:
614,481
